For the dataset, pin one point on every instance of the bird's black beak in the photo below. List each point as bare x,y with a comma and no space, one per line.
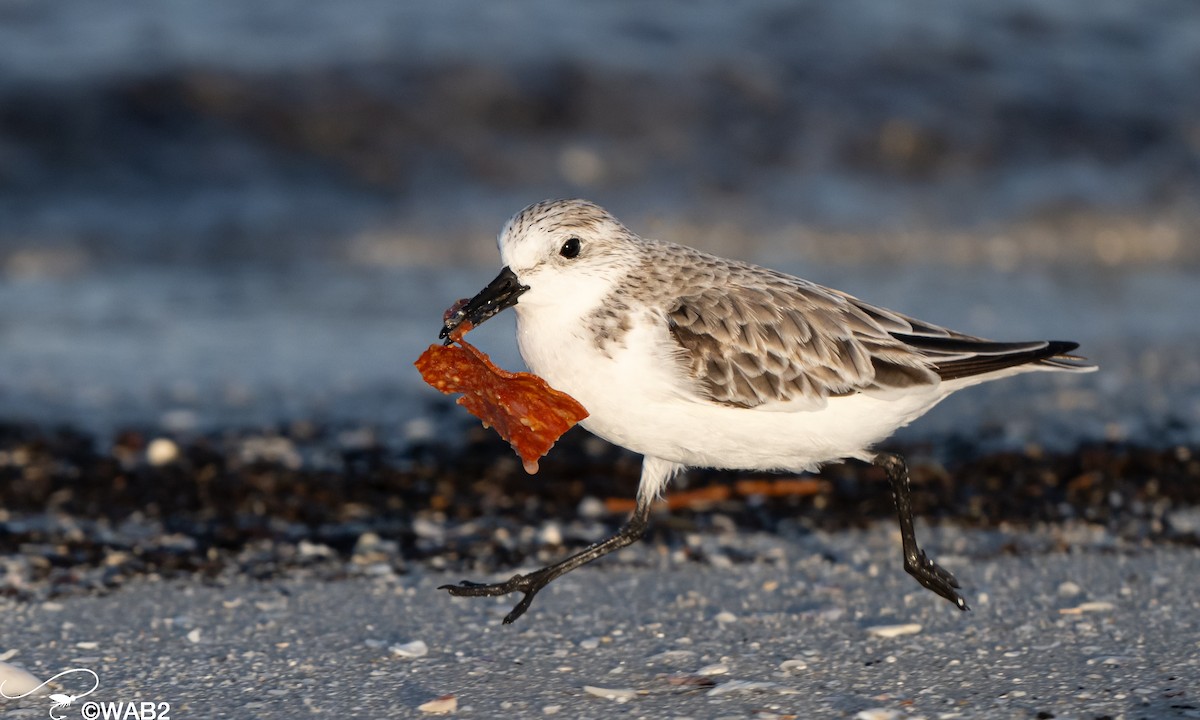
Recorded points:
499,294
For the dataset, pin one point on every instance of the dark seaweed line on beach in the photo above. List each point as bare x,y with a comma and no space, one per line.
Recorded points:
339,502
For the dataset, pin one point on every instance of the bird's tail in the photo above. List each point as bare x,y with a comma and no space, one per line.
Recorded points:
1064,360
959,356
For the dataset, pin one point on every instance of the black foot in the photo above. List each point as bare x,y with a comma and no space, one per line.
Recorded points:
533,582
916,562
528,584
935,577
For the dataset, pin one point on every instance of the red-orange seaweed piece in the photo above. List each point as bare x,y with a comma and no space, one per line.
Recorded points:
522,407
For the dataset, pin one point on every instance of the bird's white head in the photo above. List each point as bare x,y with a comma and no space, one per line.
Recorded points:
561,257
566,252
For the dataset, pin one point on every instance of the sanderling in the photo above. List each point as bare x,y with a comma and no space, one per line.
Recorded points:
693,360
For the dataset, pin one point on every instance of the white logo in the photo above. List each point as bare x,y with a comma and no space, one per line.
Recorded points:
58,700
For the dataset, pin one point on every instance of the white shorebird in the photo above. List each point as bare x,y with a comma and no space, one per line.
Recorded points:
693,360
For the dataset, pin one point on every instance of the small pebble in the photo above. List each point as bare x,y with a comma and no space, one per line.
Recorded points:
877,714
551,709
674,658
440,706
426,528
161,451
551,534
726,617
1069,589
890,631
618,694
1095,606
309,549
590,643
194,636
714,669
793,664
408,650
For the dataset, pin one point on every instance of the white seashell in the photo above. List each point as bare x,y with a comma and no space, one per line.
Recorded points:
440,706
414,649
14,681
618,694
890,631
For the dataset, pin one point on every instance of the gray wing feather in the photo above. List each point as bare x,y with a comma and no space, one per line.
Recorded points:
788,340
751,336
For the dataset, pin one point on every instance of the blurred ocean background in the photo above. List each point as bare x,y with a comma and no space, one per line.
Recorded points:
219,212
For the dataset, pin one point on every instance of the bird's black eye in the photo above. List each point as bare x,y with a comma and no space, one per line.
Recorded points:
570,248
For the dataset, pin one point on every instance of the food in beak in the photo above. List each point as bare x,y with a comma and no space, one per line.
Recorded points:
500,293
522,407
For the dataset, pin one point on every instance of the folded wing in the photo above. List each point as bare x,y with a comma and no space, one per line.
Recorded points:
765,338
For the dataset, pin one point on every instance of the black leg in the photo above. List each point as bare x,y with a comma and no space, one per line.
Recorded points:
530,584
926,571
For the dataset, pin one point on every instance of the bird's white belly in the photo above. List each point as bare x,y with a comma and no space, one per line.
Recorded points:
710,435
634,400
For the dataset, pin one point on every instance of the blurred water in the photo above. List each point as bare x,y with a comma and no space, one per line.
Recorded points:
146,346
189,350
219,131
217,212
